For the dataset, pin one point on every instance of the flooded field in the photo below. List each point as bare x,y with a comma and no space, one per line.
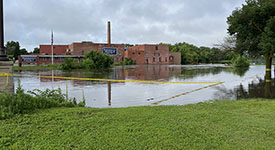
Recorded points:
174,85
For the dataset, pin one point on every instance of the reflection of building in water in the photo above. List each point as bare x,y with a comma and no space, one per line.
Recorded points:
152,72
117,74
139,72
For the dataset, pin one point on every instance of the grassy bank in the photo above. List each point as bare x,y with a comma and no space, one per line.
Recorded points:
216,125
33,68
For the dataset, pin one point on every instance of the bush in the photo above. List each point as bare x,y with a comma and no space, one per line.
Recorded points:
92,60
70,63
240,61
20,102
128,61
97,60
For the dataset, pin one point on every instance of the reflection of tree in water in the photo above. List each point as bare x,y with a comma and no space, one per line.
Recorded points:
101,74
195,72
259,89
143,72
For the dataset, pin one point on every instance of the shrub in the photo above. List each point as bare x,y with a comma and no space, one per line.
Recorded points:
20,102
70,63
240,61
98,60
128,61
92,60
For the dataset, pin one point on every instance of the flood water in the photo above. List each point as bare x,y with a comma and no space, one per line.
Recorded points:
237,83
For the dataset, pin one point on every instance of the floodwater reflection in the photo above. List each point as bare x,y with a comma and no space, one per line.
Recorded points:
124,94
256,89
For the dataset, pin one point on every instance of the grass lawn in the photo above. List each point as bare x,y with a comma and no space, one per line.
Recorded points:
33,68
213,125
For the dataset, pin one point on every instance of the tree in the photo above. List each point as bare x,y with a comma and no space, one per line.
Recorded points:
36,50
23,51
13,48
228,44
253,27
97,60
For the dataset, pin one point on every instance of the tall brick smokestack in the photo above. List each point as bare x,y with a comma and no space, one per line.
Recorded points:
109,32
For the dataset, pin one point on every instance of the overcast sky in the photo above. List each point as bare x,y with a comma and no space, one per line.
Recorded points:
199,22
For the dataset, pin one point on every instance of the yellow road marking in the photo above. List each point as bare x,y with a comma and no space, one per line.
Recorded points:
212,85
268,81
133,81
108,80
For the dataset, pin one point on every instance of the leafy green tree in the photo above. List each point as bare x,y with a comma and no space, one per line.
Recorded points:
128,61
99,59
23,51
253,27
191,54
69,64
36,50
13,48
240,61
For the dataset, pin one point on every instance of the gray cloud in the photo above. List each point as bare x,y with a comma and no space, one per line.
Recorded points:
200,22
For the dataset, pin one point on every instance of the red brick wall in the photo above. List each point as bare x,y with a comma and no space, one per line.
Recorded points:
57,49
176,58
149,54
82,48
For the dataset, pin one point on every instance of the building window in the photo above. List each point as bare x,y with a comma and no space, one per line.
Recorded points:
165,59
133,53
147,61
154,59
139,53
157,48
160,59
159,54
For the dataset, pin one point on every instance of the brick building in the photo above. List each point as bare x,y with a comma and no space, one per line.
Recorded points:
57,49
45,59
152,54
175,58
141,55
115,50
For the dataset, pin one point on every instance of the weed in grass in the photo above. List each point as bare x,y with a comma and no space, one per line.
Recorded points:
21,102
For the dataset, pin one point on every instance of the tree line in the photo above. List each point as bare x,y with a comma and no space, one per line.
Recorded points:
191,54
14,50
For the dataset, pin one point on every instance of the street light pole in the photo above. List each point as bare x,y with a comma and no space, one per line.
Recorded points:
3,56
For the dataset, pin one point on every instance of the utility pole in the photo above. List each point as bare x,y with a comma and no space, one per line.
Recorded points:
6,82
52,46
3,55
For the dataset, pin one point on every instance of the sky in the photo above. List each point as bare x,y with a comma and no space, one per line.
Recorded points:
198,22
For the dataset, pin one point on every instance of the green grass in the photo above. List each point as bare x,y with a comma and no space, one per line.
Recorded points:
213,125
41,67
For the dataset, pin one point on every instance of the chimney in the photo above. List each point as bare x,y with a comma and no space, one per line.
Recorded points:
109,32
